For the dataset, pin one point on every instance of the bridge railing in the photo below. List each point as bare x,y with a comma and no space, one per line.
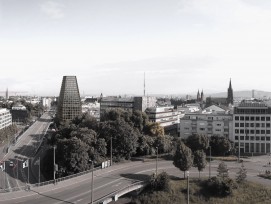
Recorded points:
109,197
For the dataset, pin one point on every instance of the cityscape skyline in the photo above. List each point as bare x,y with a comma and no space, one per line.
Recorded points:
181,45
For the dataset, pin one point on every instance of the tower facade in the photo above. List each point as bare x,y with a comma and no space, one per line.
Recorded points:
69,104
202,96
198,96
230,94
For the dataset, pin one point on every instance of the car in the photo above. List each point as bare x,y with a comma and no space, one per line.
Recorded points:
11,164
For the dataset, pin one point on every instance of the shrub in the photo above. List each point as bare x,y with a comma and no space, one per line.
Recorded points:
220,187
159,182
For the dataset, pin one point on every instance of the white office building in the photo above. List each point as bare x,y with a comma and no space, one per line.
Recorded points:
252,127
5,118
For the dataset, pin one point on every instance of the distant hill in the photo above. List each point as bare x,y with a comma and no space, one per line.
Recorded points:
244,94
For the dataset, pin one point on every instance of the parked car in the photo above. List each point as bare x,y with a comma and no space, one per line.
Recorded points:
11,164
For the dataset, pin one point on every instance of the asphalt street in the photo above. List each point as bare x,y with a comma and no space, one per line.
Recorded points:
16,176
78,190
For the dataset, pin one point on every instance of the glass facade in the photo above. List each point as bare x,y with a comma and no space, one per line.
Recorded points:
69,104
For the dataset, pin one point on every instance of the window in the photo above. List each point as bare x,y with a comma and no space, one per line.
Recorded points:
257,118
263,124
247,124
252,138
247,118
257,131
247,137
257,124
218,130
218,124
267,138
236,124
236,131
262,131
267,118
236,117
267,124
262,118
236,137
242,118
242,131
257,138
242,138
202,129
251,131
262,138
252,118
241,124
251,124
267,131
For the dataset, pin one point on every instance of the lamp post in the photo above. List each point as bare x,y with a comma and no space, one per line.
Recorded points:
111,151
156,160
54,164
187,187
92,181
210,160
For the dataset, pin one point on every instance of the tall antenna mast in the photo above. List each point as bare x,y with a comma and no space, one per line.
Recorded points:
144,85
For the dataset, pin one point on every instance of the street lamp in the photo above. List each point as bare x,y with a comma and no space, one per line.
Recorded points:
156,159
210,151
92,181
111,152
187,187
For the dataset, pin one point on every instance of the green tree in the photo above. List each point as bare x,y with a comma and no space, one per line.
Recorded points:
220,145
124,138
145,145
72,156
154,129
139,120
241,174
197,142
200,160
222,170
183,158
164,143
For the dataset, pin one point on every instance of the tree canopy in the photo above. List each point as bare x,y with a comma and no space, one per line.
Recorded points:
183,158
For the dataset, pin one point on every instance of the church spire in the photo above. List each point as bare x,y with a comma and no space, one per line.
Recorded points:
230,94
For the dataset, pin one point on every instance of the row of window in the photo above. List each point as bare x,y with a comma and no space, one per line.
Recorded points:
243,131
252,124
252,118
257,138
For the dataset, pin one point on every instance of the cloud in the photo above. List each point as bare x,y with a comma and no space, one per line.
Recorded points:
53,10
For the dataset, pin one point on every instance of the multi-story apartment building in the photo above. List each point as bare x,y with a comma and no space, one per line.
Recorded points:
166,116
252,127
207,123
5,118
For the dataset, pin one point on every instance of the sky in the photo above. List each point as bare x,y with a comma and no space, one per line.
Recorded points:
180,45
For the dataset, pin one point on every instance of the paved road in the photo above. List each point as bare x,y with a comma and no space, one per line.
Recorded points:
25,148
77,190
